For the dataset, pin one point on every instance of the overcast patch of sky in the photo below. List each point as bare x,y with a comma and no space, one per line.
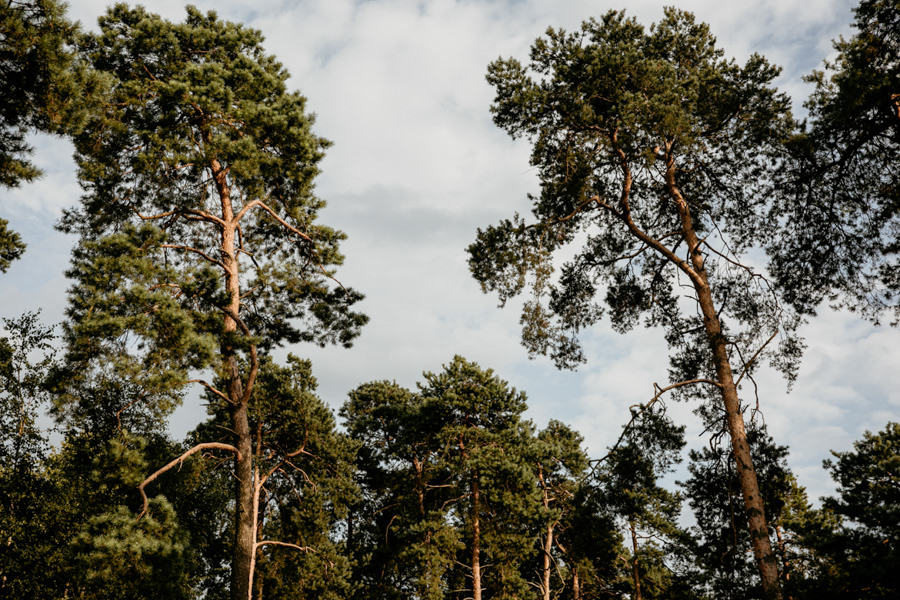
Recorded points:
417,166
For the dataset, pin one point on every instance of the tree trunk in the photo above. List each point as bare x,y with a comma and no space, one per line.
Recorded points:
548,542
244,541
635,575
753,503
476,540
244,517
548,546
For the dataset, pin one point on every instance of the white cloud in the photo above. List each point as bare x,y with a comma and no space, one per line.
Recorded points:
417,165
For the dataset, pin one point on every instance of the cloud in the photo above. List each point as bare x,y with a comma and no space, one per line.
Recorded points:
417,166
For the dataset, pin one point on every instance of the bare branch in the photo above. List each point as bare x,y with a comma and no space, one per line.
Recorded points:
155,217
755,356
178,461
642,408
202,215
210,388
275,216
215,261
307,549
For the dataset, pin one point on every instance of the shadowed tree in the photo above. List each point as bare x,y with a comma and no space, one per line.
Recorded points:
560,464
860,540
494,504
840,200
303,474
43,90
654,153
199,241
628,479
26,524
723,545
402,539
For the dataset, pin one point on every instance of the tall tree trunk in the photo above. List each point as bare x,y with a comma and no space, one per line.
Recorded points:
244,517
242,556
548,542
576,585
753,503
548,546
635,574
476,539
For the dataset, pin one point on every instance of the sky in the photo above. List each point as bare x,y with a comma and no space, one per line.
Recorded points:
417,166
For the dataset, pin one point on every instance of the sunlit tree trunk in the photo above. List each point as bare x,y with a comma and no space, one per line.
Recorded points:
734,419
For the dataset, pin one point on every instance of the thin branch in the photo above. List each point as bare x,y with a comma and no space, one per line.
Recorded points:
275,216
205,216
307,549
737,264
644,407
178,461
755,356
215,261
155,217
210,388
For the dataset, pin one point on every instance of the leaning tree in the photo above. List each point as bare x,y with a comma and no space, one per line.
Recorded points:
199,243
654,153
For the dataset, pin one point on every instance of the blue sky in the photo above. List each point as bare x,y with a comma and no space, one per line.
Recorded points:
417,165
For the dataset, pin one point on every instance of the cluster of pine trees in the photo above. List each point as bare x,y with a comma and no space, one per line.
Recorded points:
442,492
662,165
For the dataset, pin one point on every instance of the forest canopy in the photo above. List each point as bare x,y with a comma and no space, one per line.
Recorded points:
671,189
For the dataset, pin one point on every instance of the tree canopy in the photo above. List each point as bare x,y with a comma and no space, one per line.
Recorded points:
655,155
839,193
664,168
199,242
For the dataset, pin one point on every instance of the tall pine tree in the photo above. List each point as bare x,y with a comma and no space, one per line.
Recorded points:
199,241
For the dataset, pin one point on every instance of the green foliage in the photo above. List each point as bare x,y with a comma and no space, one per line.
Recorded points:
43,88
401,540
199,251
25,523
841,190
485,445
451,468
605,109
721,537
22,393
628,482
860,550
11,246
306,467
869,492
656,157
560,465
198,139
593,547
143,557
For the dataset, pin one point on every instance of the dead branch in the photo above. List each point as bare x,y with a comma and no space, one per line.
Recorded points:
642,408
285,544
178,461
275,216
210,388
755,356
202,215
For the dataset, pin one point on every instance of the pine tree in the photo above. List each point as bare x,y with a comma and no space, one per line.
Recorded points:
44,89
199,246
840,193
722,540
402,538
654,154
628,478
